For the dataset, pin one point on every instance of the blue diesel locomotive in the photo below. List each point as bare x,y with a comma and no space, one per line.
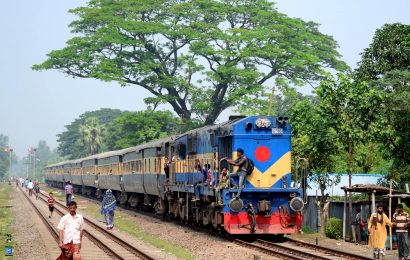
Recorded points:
270,203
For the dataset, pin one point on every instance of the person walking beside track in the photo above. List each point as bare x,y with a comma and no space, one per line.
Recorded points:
107,208
50,201
30,187
378,232
71,231
401,221
36,189
68,192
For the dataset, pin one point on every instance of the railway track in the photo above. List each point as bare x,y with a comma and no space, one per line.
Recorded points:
296,249
97,233
91,249
98,243
288,249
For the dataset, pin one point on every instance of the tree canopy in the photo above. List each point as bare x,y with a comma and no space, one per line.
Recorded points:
4,156
200,57
385,65
70,141
131,129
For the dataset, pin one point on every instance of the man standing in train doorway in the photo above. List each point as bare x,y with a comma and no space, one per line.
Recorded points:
242,164
68,192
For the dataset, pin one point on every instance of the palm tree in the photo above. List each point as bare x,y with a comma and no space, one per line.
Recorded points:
91,133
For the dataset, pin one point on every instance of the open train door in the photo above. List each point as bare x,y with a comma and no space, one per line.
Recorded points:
225,150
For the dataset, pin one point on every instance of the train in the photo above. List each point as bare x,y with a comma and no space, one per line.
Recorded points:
271,201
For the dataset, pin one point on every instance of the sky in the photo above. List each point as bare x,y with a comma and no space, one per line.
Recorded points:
37,105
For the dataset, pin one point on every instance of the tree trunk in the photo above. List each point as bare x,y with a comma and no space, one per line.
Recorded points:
324,212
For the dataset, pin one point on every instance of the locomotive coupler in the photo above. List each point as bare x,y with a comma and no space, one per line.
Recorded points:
252,216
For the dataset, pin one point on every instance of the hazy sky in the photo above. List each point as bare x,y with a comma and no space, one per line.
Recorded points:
36,105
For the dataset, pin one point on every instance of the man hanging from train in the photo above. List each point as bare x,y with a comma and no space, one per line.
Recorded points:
242,163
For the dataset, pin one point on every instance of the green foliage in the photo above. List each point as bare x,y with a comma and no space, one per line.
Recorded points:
6,217
131,129
406,208
351,111
307,230
333,228
4,156
91,135
70,141
199,56
386,65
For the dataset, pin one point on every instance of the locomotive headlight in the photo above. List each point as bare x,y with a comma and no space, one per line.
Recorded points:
263,123
296,204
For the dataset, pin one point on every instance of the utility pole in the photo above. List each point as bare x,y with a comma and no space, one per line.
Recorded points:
34,163
27,163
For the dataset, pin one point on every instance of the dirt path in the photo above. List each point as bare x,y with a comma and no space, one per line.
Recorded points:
30,232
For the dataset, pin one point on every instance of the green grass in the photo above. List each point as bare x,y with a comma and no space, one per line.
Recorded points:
5,217
124,223
307,230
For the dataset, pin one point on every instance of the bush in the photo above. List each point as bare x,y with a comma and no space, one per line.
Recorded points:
333,228
307,230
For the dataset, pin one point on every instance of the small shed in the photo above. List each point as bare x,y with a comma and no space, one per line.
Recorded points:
372,190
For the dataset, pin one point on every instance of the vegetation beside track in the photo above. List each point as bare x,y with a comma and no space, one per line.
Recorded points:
123,222
6,216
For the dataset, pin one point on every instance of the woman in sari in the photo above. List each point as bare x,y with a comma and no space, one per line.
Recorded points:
107,208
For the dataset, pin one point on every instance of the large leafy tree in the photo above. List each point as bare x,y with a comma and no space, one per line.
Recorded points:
315,141
351,111
131,129
70,143
386,65
200,57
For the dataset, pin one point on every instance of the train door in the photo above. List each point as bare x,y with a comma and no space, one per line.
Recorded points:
225,150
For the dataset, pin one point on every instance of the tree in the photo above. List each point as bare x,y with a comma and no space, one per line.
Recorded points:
131,129
200,57
70,144
351,111
4,156
317,142
91,135
43,156
386,65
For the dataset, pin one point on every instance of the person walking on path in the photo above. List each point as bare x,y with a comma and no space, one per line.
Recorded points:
36,189
68,192
50,201
378,232
401,221
30,187
71,231
26,181
107,208
242,164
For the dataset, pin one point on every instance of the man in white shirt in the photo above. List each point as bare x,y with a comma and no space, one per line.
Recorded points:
71,229
30,187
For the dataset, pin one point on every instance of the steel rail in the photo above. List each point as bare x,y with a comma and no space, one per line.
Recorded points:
268,247
55,233
330,251
132,249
